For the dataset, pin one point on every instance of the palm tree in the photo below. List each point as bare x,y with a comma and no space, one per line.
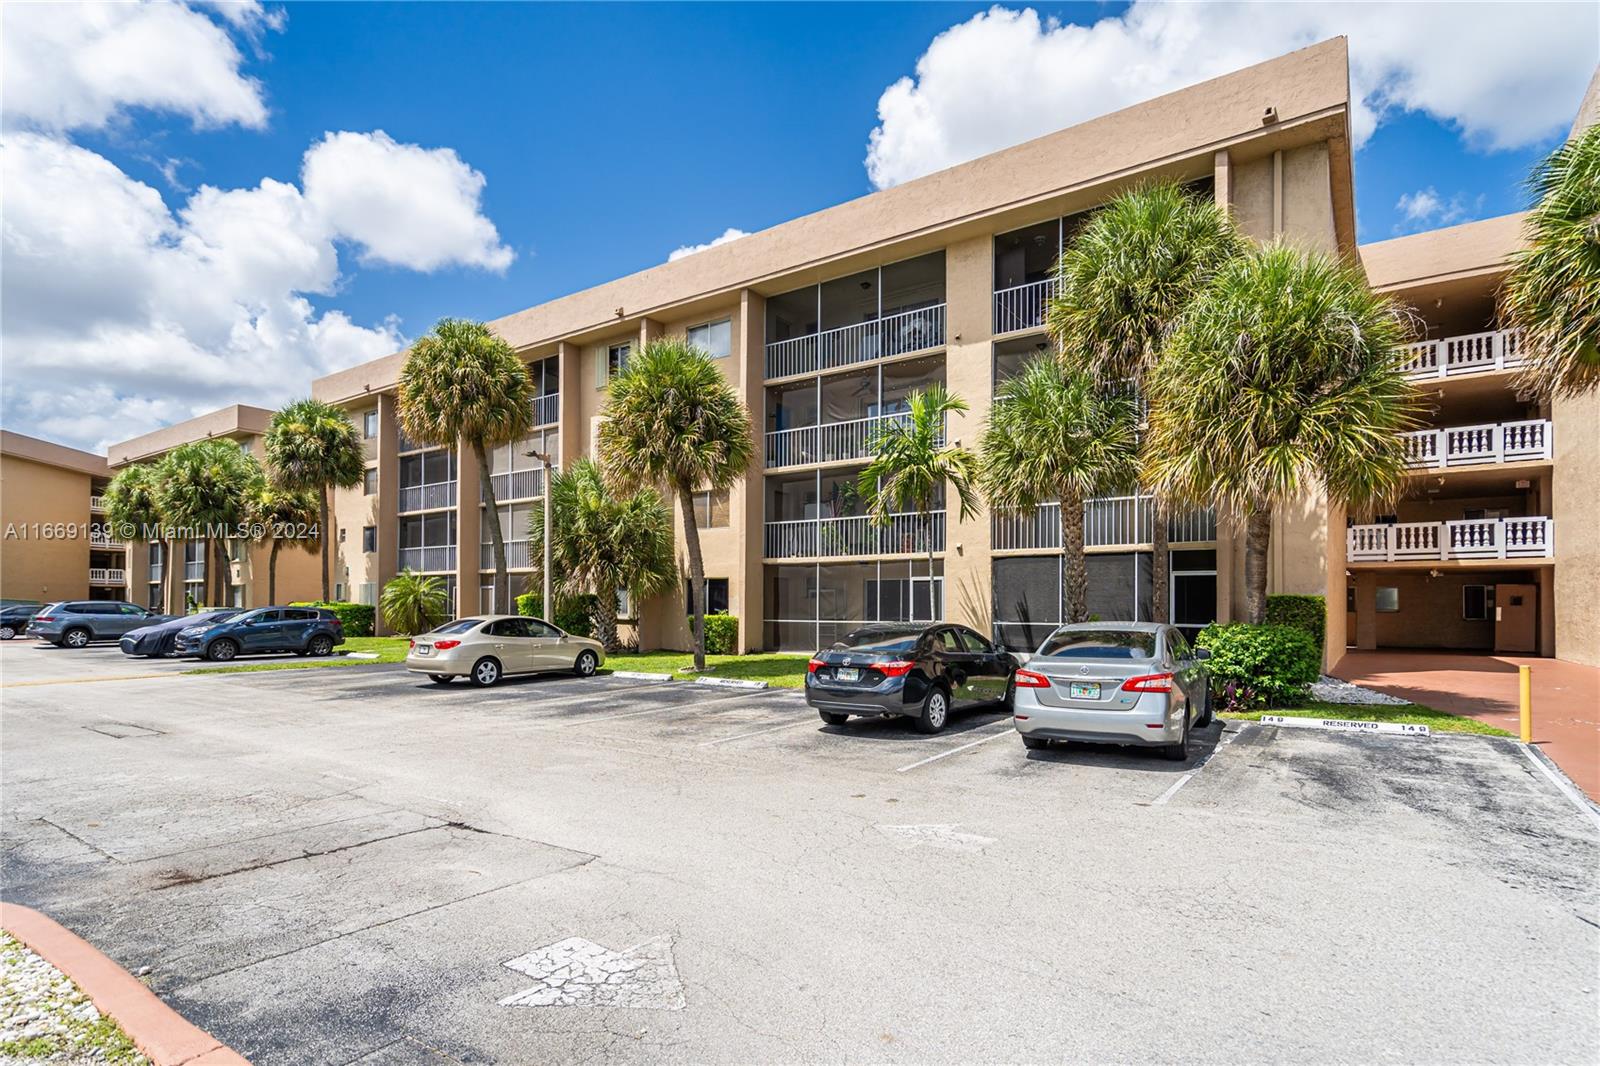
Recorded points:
313,446
1284,376
912,463
602,543
203,487
132,502
672,420
463,383
1055,434
1124,282
1553,291
274,510
412,603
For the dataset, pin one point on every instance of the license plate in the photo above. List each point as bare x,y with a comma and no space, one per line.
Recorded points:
1084,690
424,649
846,673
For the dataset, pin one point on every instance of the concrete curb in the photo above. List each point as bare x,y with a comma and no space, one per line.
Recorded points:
155,1028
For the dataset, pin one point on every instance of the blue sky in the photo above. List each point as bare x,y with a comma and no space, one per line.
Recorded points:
608,135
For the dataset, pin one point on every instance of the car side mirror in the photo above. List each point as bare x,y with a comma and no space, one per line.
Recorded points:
1202,653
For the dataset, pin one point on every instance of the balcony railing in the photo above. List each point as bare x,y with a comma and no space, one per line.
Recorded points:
427,497
517,485
1108,522
1022,306
1474,538
105,576
908,331
905,534
194,571
428,560
518,555
1498,442
1473,353
547,409
97,504
827,443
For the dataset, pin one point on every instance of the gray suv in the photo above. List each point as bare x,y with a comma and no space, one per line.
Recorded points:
75,623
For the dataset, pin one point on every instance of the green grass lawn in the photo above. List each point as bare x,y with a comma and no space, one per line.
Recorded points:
779,671
1416,714
389,649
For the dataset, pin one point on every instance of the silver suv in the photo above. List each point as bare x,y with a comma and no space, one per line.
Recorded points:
75,623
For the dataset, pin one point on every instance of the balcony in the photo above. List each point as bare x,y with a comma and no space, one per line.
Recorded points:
99,537
1474,353
900,334
1108,522
547,409
827,443
97,504
519,555
517,485
103,576
440,559
1498,442
905,534
426,497
1476,538
1022,307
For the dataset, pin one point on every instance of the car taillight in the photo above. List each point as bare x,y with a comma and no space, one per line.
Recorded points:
446,645
811,667
1029,679
411,644
1148,683
43,618
893,668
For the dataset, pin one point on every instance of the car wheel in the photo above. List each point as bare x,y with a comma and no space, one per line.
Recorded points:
834,717
935,711
441,679
588,662
1205,717
320,645
75,638
485,672
222,650
1180,751
7,632
1035,743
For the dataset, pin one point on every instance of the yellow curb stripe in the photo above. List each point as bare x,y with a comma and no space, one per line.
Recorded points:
84,680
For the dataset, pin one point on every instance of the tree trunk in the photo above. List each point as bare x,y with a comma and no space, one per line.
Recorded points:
697,575
166,576
497,539
1257,539
1074,571
272,572
326,535
219,555
605,620
1160,562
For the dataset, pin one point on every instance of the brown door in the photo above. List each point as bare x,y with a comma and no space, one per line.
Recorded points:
1516,607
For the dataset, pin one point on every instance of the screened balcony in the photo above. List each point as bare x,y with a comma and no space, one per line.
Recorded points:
427,481
1108,522
822,515
892,310
837,417
428,543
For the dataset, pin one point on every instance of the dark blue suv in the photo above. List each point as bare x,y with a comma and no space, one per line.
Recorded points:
302,630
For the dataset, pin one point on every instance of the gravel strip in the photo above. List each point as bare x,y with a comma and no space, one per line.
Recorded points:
45,1018
1333,690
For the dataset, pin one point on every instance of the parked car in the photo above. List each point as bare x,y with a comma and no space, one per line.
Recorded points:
919,672
489,647
162,638
1114,683
14,618
302,630
77,623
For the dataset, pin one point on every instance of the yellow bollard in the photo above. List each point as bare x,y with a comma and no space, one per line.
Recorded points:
1525,684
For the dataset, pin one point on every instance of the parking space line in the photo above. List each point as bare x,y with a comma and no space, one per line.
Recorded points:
1566,790
1227,738
955,751
755,733
674,706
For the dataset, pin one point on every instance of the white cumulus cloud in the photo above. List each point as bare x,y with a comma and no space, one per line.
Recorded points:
729,234
1505,75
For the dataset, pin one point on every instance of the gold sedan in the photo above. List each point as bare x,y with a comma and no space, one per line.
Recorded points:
489,647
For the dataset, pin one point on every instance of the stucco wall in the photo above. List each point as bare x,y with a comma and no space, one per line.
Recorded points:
34,567
1576,510
969,374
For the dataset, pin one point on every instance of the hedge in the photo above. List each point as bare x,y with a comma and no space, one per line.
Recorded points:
1259,665
575,614
722,633
1309,613
358,618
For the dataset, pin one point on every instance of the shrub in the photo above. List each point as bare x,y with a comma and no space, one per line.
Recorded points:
1309,613
722,633
413,603
358,618
1260,665
575,614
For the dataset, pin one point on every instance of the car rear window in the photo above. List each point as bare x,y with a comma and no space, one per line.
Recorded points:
880,640
460,625
1099,644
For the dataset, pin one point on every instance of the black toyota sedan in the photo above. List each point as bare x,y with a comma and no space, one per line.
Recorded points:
160,639
921,672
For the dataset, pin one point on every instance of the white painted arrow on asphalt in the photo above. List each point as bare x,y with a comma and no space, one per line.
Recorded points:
580,973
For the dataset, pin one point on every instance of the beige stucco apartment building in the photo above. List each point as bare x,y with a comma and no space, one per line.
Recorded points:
56,545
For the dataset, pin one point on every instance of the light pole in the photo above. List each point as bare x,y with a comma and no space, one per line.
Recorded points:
548,607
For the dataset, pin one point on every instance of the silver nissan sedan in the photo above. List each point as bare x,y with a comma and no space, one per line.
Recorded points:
1113,683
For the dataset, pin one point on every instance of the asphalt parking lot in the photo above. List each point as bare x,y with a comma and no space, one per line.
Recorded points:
337,865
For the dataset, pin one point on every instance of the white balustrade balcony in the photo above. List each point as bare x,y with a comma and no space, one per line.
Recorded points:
97,504
1108,522
428,560
1473,353
1497,442
1473,538
426,497
900,334
1022,306
904,534
827,443
106,576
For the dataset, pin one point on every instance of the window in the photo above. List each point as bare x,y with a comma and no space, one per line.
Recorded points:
369,483
369,538
945,640
716,596
974,643
715,337
1388,599
624,603
154,598
616,361
342,531
711,509
369,425
1476,602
